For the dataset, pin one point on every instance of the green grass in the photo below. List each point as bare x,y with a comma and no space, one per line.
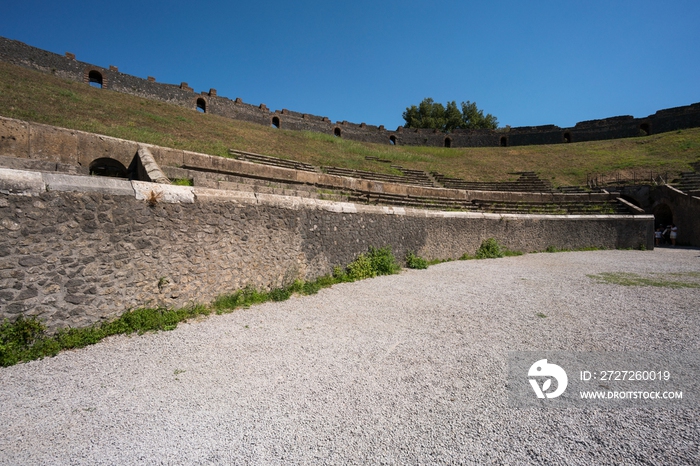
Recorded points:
26,338
654,279
585,248
44,98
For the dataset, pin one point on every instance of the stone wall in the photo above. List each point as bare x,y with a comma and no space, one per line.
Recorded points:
76,250
68,67
684,209
42,145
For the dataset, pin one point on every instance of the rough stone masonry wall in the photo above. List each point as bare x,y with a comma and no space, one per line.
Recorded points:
77,250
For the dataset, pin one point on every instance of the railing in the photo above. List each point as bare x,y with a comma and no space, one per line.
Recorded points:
596,180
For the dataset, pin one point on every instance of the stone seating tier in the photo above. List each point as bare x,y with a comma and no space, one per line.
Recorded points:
612,207
274,161
689,182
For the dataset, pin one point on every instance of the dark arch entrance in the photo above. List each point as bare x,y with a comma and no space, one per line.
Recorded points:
567,137
108,167
644,129
95,79
392,140
337,132
663,215
201,105
504,141
448,142
276,122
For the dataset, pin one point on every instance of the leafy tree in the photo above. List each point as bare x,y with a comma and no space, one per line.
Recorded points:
434,115
474,118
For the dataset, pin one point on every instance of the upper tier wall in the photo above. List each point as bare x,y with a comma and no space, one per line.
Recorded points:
68,67
44,143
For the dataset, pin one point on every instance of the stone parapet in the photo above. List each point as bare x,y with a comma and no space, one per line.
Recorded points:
78,250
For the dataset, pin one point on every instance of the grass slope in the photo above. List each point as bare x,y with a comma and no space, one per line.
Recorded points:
44,98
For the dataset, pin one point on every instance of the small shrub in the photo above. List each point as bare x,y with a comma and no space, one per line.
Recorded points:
415,262
17,337
361,268
183,182
489,249
383,261
311,287
280,294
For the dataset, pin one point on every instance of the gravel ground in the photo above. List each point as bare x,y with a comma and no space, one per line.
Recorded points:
405,369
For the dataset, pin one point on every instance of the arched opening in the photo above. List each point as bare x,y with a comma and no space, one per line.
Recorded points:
644,129
108,167
337,133
448,142
663,216
201,105
567,137
95,79
276,122
504,141
392,140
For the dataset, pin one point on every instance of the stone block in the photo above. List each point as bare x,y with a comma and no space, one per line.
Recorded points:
52,143
166,157
28,164
21,182
14,138
242,197
195,160
169,194
302,176
100,184
94,146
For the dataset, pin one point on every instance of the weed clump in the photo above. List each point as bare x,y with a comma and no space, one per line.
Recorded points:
415,262
183,182
372,264
489,249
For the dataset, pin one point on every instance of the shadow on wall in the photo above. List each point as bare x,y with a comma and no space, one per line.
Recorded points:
663,215
106,166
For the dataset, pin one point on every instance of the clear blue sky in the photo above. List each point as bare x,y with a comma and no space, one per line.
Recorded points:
526,62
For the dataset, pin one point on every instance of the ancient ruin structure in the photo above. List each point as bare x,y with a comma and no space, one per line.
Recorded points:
67,66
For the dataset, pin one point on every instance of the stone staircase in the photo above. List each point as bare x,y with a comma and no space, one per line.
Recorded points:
527,182
274,161
412,177
412,201
611,207
240,183
689,183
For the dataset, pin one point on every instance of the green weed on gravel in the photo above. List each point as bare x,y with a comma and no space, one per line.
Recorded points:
633,279
415,262
26,339
491,249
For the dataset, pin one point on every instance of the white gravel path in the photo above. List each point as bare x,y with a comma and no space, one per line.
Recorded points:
405,369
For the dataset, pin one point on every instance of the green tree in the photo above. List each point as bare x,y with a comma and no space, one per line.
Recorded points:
434,115
473,118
